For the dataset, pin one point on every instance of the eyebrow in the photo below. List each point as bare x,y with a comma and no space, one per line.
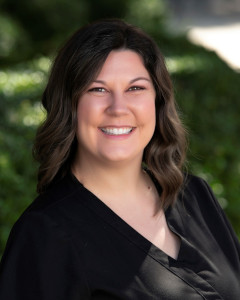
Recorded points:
131,81
140,78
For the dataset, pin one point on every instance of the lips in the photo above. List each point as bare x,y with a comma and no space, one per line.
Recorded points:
116,130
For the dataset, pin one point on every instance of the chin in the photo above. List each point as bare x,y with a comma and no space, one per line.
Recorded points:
121,157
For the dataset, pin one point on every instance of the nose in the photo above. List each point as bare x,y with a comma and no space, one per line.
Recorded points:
117,105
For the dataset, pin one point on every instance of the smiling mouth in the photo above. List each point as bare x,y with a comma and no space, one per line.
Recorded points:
117,131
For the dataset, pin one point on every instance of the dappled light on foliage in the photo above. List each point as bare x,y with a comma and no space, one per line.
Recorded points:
13,39
187,63
20,114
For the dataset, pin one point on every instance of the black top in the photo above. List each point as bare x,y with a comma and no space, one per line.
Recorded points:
68,245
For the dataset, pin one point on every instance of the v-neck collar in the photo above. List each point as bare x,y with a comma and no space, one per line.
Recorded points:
115,221
188,255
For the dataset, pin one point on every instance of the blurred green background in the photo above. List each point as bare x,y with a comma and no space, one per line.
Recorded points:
206,90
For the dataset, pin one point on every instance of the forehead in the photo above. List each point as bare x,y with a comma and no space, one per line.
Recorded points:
123,61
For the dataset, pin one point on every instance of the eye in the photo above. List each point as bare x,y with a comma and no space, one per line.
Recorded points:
136,88
97,90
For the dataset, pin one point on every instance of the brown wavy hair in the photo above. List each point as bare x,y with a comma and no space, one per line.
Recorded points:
75,67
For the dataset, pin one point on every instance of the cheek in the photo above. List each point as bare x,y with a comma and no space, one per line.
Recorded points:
89,116
87,113
148,113
84,117
151,110
150,118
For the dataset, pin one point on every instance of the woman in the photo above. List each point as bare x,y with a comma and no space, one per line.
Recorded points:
116,218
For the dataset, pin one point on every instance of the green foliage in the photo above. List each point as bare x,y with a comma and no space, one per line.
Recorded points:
47,23
20,114
208,96
206,91
13,40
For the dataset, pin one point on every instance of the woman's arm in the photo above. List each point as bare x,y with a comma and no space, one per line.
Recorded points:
41,262
225,220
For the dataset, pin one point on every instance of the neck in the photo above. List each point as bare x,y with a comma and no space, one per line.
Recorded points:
120,186
113,178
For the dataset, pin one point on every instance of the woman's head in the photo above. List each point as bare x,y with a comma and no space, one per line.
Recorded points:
75,67
82,57
116,114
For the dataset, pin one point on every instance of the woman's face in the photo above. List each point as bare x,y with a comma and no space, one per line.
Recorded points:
116,114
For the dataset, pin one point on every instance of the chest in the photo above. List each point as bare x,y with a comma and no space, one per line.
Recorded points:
122,264
155,229
130,268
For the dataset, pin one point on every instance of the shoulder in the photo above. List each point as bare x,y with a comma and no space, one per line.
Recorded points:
196,189
62,191
56,219
63,196
42,244
57,210
197,200
194,183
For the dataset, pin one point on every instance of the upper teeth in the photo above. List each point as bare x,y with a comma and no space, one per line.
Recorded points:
117,131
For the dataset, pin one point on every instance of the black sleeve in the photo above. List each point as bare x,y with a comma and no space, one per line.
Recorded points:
41,262
225,220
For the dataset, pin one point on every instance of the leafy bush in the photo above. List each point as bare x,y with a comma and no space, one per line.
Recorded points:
20,113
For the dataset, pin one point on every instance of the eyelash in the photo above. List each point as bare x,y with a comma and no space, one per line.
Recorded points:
97,89
101,90
136,88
